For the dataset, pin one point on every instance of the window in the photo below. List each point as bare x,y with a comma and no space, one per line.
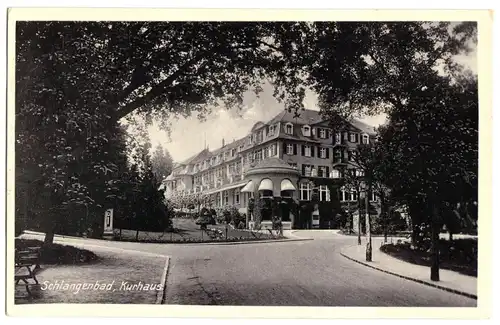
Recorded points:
324,193
273,150
360,172
258,156
289,129
289,149
307,151
373,197
226,197
270,130
322,133
266,193
260,136
305,192
352,137
322,171
366,140
337,138
306,170
306,131
265,152
237,197
322,153
335,174
233,152
294,165
214,161
240,148
354,196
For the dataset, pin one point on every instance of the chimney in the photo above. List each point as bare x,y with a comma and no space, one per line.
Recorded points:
223,142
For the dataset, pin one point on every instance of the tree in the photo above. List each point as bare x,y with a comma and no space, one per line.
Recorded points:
161,162
406,70
76,80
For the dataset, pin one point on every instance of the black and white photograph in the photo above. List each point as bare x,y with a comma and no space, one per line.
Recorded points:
246,162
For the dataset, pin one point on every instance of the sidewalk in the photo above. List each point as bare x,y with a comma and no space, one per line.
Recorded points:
110,279
449,280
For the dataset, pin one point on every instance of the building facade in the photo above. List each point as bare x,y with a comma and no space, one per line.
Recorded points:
304,142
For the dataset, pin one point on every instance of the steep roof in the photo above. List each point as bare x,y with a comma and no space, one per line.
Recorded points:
306,116
231,145
272,162
201,156
310,117
363,127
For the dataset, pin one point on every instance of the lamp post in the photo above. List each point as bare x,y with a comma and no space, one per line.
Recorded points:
368,225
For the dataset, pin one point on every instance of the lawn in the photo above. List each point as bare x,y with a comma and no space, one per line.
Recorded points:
185,230
458,255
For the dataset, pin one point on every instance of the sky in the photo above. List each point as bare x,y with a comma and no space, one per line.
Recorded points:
189,135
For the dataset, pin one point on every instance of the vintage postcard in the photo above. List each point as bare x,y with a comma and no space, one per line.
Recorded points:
184,162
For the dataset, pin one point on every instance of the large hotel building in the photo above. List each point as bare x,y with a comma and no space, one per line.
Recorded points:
302,146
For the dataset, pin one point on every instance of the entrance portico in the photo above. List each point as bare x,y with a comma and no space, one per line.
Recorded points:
273,180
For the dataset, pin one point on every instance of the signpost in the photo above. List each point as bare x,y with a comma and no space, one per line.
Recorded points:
108,223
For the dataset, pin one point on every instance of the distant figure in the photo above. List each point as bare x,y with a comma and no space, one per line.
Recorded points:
277,225
280,227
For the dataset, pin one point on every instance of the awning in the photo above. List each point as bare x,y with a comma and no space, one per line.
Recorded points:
248,188
286,185
266,185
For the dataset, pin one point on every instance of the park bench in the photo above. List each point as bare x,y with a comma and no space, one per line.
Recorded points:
27,263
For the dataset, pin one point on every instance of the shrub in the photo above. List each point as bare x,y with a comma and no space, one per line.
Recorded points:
227,215
236,216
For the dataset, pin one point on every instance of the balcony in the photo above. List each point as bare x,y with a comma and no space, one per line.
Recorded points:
340,161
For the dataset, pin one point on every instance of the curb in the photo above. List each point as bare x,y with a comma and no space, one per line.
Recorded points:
250,242
29,232
160,295
458,292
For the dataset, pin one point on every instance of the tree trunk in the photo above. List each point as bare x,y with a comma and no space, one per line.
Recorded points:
351,222
434,244
359,219
359,228
49,237
385,214
137,235
450,236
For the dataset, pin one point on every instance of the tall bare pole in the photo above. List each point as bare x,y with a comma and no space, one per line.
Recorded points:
368,226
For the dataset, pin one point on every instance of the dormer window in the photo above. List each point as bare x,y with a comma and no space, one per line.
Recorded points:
289,128
270,130
233,152
306,130
322,133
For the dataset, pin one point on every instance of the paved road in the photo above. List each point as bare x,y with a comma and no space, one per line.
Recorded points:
308,273
305,273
